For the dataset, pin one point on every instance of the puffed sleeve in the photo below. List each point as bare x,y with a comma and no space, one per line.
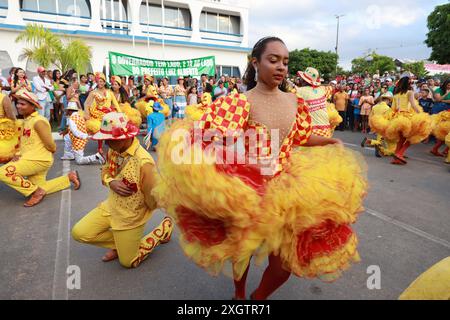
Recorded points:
303,124
229,115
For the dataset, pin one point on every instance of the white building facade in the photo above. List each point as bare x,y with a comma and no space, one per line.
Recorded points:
188,29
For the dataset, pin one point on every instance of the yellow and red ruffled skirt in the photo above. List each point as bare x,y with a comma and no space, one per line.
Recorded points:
146,107
414,127
94,122
133,114
10,132
334,116
195,112
228,213
441,125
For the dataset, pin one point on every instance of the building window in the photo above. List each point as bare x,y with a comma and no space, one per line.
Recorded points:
216,22
228,71
4,4
79,8
175,17
114,16
115,10
75,8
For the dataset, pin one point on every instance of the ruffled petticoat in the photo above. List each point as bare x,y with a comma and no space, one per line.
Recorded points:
441,125
414,127
132,114
146,107
334,116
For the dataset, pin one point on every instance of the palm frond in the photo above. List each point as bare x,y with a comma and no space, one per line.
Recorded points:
26,54
47,49
76,55
36,35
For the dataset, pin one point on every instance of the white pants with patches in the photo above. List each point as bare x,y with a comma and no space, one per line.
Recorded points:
78,155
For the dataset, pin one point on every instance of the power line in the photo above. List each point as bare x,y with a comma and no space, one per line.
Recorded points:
400,46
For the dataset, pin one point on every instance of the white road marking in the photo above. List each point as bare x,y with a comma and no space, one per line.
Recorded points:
409,228
60,291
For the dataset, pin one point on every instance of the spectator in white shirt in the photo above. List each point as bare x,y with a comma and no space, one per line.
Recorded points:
42,86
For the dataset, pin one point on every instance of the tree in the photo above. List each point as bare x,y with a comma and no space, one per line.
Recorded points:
48,49
376,62
323,61
417,68
438,37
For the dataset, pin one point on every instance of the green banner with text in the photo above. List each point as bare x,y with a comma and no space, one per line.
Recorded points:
125,65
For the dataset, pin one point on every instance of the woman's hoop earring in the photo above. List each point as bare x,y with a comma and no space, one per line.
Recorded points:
256,75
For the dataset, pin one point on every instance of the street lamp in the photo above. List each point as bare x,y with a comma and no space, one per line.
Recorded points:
337,38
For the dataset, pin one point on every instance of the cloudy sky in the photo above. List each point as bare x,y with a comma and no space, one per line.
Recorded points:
394,28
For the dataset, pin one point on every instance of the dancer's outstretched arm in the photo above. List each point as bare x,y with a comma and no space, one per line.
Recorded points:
315,141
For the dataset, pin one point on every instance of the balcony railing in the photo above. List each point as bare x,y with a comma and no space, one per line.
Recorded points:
116,26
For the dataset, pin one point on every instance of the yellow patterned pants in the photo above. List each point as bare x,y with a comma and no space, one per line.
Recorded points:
131,245
26,176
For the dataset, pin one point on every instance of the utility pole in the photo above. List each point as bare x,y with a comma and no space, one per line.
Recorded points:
163,30
337,38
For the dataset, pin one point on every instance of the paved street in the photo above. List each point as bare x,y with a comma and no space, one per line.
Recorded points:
405,230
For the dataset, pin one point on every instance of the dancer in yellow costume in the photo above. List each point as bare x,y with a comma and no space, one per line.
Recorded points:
99,102
121,96
315,97
118,223
433,284
294,206
9,129
441,129
150,92
196,112
409,124
27,171
379,118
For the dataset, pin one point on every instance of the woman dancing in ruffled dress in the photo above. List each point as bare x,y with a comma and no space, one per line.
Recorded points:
292,205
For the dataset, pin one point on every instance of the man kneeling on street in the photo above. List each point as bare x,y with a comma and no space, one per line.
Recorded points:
76,138
118,223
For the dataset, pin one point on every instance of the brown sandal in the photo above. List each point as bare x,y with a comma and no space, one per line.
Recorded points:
35,198
75,179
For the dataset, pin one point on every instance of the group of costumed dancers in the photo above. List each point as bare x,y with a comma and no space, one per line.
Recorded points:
399,122
241,179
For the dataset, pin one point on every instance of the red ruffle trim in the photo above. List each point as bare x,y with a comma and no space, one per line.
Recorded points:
197,228
250,175
321,240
